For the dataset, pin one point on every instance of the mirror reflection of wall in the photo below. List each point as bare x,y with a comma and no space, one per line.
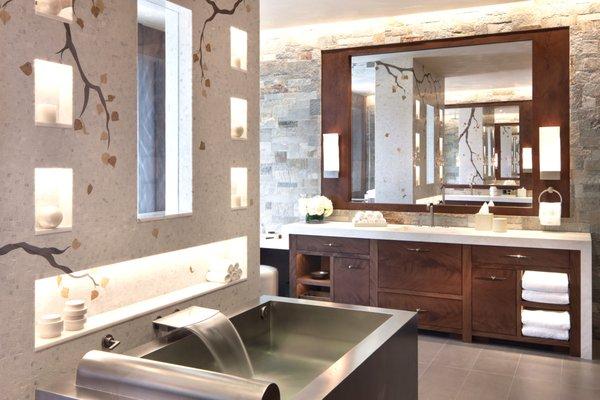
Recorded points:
453,114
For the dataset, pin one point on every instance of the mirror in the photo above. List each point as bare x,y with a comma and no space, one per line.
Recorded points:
442,125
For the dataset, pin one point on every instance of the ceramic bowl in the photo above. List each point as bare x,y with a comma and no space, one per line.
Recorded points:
75,325
75,313
76,304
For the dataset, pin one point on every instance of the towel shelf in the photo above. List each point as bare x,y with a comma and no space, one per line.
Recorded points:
545,306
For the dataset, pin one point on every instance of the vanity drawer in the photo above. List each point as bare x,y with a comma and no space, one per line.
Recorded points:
433,312
490,255
420,267
324,244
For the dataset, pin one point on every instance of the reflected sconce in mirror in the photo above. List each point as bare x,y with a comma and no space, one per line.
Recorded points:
550,212
331,155
441,172
527,159
550,153
417,175
441,146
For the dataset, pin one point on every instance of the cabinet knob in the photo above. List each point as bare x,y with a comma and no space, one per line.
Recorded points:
417,250
331,244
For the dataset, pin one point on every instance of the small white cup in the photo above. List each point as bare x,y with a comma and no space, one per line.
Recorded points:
75,325
500,225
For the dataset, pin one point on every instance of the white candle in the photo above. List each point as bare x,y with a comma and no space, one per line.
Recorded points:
236,201
46,113
237,62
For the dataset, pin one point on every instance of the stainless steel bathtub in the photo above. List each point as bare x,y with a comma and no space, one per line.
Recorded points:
311,350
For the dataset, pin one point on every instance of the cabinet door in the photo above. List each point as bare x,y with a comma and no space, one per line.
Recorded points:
351,281
494,302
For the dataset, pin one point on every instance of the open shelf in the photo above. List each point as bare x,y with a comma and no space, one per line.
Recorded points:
545,306
307,280
316,295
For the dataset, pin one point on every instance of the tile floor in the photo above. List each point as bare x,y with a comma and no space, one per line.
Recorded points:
450,369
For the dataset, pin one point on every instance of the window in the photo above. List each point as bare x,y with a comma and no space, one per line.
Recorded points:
164,78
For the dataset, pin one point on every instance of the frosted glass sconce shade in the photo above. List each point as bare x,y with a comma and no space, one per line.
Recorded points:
417,175
61,10
550,153
331,155
441,172
239,188
53,199
527,159
239,118
53,94
441,146
239,49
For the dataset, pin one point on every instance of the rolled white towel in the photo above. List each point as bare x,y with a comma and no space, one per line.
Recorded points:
546,319
545,333
221,266
554,282
236,276
218,277
545,297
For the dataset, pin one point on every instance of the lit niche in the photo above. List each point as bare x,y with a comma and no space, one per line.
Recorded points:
239,188
239,119
53,94
239,49
53,199
61,10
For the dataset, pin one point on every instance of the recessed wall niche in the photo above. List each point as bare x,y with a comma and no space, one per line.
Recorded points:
53,94
239,49
61,10
53,200
239,188
239,119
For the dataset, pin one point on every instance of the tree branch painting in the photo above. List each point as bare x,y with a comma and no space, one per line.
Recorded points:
400,73
48,254
88,85
465,134
199,54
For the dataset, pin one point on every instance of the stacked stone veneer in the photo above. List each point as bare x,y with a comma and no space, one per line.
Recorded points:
290,102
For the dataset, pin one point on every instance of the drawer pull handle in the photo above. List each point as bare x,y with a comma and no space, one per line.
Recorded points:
417,250
418,310
352,267
517,256
492,278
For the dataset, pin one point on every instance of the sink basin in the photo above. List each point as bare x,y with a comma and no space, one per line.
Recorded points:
312,350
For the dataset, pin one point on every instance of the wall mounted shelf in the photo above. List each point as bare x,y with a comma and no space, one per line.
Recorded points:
53,94
61,10
239,49
239,188
239,119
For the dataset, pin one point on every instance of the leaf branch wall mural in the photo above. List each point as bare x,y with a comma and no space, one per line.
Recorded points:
401,73
465,134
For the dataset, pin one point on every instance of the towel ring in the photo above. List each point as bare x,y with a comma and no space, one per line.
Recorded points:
550,190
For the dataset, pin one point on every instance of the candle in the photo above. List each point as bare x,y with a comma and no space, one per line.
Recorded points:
237,62
46,113
236,201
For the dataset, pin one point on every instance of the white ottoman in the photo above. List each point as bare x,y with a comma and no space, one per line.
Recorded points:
268,280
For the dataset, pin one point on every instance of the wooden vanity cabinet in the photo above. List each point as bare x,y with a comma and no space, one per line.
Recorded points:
351,281
494,303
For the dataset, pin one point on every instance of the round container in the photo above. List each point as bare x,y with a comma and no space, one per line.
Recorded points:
75,304
500,225
319,275
75,325
50,318
75,313
48,330
49,217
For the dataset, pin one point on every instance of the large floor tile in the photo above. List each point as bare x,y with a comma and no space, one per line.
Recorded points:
578,393
457,356
441,383
530,389
497,362
484,386
540,368
581,373
428,349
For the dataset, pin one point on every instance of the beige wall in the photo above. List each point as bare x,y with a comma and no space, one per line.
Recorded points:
290,61
105,220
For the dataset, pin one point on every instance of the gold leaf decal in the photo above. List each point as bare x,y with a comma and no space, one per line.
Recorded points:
94,295
78,124
104,136
112,160
4,16
58,280
208,47
90,188
204,94
191,270
95,11
393,89
104,282
99,109
104,158
387,135
80,23
155,233
65,292
110,97
196,57
114,116
248,8
76,244
202,146
104,79
27,68
207,83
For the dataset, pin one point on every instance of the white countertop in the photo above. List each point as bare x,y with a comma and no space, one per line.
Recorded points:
438,234
488,198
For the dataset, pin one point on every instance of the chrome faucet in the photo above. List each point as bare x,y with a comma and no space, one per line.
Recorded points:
431,210
184,318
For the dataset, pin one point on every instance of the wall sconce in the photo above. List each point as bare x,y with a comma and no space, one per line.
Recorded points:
239,119
53,199
441,146
527,159
550,153
417,175
239,188
331,155
53,94
550,212
441,172
239,49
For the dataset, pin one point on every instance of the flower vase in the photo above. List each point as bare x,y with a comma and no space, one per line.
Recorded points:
314,219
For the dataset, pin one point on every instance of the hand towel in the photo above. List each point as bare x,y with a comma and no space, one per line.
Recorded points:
546,319
545,333
545,297
218,277
554,282
221,265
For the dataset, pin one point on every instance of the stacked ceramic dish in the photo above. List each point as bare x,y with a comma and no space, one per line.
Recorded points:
50,326
74,315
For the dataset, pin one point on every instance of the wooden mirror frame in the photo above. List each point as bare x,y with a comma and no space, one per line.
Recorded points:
550,107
